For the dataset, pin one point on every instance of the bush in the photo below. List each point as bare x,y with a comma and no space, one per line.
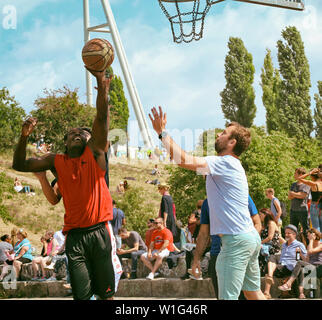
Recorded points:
136,214
6,189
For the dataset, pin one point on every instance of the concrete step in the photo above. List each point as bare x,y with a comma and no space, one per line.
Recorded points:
32,289
158,288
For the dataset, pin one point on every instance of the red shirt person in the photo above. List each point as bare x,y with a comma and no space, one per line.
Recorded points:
160,247
88,204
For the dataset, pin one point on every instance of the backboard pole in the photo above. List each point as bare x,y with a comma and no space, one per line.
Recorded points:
89,90
137,106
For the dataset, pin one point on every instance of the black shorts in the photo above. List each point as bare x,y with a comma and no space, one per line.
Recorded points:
21,259
89,253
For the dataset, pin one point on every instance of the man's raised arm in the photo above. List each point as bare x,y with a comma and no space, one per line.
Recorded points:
20,163
101,122
182,158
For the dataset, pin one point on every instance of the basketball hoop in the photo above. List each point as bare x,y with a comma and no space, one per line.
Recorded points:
186,20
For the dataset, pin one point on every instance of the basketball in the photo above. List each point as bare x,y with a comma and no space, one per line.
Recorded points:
97,54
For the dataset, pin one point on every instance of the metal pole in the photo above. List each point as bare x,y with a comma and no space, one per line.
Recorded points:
148,142
89,89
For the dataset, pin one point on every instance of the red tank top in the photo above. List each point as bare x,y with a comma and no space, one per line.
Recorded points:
86,197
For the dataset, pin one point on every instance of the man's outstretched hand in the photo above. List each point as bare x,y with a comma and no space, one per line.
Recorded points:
100,76
159,120
28,127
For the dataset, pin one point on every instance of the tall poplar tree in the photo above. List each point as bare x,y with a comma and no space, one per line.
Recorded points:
119,111
238,97
294,101
270,82
318,112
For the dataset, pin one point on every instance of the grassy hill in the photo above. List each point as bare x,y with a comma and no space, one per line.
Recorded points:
36,215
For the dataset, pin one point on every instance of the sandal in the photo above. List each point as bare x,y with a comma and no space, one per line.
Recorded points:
302,296
269,279
267,296
285,287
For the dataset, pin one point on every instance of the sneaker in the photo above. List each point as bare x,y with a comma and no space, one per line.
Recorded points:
51,279
156,274
194,278
42,279
150,276
35,279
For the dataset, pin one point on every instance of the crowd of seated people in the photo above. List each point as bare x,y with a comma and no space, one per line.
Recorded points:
14,256
16,250
287,256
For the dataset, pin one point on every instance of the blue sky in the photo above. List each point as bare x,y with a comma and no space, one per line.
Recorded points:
44,51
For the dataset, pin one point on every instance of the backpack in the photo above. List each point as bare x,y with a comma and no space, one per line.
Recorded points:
284,211
283,208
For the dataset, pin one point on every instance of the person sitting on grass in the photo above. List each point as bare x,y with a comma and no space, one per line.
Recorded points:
20,188
282,265
313,260
160,247
155,171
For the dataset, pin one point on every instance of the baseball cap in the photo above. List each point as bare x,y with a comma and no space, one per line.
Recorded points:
292,227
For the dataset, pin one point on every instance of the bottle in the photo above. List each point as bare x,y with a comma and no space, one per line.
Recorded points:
298,256
311,292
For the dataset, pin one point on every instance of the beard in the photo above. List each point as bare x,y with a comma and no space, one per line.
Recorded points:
219,147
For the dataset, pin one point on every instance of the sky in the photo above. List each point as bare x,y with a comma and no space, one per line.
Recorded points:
41,49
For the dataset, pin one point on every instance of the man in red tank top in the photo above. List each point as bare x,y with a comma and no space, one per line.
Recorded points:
90,246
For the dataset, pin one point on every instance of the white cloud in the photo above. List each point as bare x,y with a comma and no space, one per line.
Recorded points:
186,79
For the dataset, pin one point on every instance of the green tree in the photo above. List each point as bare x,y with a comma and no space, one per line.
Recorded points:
294,100
206,143
318,112
238,97
136,214
270,82
11,118
269,162
186,188
58,112
119,111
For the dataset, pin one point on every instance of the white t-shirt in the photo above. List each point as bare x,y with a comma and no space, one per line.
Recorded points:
60,238
227,192
18,188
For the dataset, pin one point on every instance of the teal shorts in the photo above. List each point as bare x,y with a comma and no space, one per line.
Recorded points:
237,265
